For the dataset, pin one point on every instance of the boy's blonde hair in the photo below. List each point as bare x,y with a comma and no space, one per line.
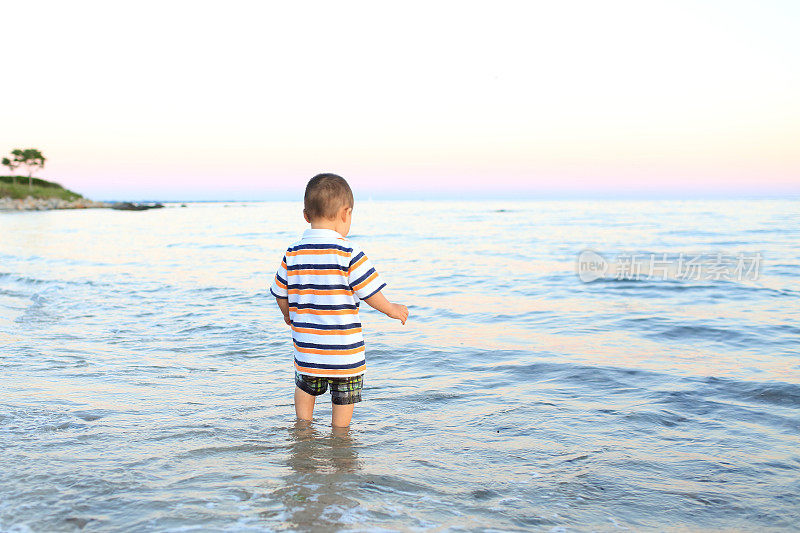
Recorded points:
325,195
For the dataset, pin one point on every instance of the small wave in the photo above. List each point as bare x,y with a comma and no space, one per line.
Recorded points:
26,280
656,419
771,393
703,332
748,337
725,289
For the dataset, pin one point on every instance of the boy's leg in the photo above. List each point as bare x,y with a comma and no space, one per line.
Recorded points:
341,414
306,390
345,393
303,404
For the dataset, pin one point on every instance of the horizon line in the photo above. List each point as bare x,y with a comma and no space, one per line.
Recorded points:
478,198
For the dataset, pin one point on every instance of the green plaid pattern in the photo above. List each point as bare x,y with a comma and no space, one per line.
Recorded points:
343,390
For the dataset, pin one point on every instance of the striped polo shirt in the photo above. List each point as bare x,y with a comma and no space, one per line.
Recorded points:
324,276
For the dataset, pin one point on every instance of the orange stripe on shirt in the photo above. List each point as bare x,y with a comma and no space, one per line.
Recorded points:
366,281
346,292
329,352
324,311
323,371
327,331
323,272
279,283
357,263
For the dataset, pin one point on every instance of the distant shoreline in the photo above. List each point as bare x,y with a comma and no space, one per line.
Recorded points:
44,204
21,193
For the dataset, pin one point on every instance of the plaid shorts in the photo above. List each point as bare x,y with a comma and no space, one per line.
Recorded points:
343,390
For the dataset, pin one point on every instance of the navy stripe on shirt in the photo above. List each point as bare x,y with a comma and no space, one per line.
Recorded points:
276,296
323,307
313,266
358,344
316,286
370,272
373,293
326,326
323,365
318,247
355,258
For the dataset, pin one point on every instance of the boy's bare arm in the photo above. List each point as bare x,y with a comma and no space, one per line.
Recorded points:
283,303
378,301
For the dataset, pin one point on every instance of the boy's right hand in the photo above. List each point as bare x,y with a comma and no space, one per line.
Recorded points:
400,312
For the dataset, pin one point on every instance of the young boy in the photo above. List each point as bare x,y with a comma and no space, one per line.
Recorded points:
318,287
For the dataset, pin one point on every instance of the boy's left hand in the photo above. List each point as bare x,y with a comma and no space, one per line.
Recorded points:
399,312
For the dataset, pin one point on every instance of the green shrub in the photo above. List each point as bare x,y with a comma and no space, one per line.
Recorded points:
41,189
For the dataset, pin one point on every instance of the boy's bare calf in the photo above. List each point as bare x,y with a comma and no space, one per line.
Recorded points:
304,408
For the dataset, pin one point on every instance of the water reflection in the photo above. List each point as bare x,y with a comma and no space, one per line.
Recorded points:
312,450
324,465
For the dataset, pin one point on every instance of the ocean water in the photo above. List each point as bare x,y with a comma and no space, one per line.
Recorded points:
146,377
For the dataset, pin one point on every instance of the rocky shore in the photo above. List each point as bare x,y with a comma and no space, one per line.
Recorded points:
39,204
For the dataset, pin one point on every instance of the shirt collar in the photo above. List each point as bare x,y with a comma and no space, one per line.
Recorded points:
321,232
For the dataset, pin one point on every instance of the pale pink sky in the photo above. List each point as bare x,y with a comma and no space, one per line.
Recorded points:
247,100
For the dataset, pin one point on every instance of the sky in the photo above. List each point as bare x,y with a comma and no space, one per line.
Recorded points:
236,100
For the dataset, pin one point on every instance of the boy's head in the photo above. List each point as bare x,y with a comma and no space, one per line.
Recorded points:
328,199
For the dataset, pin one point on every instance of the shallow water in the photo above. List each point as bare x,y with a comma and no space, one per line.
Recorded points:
147,381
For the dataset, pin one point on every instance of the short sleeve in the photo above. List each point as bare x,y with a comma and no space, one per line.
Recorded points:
362,276
279,288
